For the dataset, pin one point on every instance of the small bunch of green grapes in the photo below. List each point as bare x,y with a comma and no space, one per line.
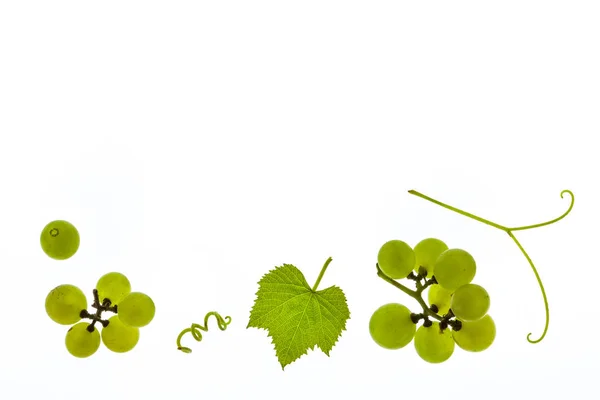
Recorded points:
59,240
457,311
67,305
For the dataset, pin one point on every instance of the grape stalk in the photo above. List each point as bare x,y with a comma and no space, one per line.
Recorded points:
417,294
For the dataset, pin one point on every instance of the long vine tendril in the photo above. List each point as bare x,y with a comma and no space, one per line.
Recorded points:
510,231
196,328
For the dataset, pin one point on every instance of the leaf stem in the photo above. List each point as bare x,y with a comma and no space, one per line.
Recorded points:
510,233
314,288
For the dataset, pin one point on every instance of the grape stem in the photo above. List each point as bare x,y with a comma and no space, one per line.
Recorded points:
510,231
196,328
415,294
97,317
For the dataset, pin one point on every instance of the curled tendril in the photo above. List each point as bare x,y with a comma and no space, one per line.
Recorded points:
196,328
509,231
522,228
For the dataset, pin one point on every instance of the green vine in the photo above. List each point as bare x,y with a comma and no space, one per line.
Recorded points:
196,328
509,231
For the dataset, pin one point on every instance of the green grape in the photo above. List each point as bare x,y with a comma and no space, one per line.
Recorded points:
64,304
113,286
470,302
59,240
396,259
427,252
136,309
440,297
119,337
80,342
454,268
433,345
476,335
391,326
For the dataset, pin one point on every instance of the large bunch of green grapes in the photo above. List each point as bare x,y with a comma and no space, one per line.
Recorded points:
458,309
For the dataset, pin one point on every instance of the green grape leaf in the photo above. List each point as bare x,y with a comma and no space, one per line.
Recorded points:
297,316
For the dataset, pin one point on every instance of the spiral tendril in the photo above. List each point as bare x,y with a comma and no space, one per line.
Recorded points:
509,231
196,328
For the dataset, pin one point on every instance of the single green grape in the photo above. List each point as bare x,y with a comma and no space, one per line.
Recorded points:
476,335
119,337
470,302
64,304
113,286
391,326
80,342
59,240
454,268
432,344
136,309
427,252
396,259
440,297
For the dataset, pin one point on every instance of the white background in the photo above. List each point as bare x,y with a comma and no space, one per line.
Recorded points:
197,145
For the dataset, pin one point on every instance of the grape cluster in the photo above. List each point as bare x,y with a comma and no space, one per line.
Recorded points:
67,305
457,310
